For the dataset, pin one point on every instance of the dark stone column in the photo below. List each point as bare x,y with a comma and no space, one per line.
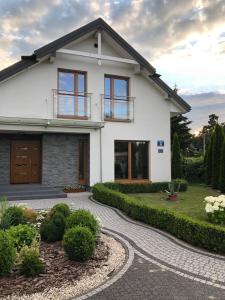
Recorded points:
4,161
60,159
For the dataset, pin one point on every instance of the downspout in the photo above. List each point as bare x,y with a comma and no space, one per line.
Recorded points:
100,154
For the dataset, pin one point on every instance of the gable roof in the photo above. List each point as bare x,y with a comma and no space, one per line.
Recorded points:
98,24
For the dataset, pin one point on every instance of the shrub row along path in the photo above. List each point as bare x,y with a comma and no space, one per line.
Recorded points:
163,267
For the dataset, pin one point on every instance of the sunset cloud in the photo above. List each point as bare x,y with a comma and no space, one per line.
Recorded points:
204,104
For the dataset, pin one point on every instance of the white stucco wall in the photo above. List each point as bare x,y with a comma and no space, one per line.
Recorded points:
29,94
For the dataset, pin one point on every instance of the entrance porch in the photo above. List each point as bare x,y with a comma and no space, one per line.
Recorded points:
50,159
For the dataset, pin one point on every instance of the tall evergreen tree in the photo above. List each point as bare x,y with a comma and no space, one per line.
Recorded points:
212,122
176,167
208,161
180,126
222,169
216,155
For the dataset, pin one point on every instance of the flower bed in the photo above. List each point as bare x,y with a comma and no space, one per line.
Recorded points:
41,252
62,272
77,188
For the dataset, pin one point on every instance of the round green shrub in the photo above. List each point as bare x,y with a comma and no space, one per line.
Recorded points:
62,208
22,235
7,253
53,227
79,243
12,216
84,218
31,265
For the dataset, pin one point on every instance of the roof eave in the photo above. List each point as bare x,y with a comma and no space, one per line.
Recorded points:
178,99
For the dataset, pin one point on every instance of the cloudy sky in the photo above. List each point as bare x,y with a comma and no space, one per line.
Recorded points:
183,39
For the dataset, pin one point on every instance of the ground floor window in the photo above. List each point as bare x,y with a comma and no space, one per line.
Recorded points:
131,160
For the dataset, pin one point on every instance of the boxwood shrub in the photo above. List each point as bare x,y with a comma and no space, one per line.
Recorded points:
62,208
131,188
53,227
79,243
84,218
195,232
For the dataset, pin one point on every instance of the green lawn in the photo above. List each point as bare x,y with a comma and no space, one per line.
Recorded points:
189,203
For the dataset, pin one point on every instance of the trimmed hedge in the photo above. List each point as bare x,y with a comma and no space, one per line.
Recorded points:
132,188
197,233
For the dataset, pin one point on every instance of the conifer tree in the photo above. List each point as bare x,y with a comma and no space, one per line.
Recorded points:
216,155
222,169
176,158
208,161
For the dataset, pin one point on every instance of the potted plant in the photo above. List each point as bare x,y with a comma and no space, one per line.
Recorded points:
172,192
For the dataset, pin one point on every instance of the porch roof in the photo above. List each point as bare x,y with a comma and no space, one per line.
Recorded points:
44,124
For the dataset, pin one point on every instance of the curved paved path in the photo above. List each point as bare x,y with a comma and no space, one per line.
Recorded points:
155,248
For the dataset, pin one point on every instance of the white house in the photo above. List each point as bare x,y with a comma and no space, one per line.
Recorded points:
85,108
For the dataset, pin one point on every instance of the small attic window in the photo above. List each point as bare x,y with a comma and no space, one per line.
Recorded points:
96,45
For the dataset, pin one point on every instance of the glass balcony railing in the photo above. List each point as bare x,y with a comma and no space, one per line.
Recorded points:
70,105
118,108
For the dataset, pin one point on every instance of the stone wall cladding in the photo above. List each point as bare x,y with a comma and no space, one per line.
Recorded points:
60,159
4,161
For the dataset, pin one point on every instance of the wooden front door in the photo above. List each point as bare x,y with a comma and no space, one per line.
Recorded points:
25,161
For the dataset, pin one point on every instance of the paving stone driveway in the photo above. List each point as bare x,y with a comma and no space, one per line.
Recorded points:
181,272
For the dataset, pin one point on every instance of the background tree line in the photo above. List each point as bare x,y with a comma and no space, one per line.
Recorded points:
199,158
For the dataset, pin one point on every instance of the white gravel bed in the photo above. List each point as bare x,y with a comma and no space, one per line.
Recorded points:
88,282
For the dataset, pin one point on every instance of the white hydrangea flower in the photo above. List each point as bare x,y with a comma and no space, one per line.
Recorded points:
210,199
216,206
209,208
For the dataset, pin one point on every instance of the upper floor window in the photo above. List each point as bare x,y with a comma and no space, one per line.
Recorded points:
116,98
72,99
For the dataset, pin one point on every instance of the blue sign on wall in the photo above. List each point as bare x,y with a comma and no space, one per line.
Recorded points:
160,143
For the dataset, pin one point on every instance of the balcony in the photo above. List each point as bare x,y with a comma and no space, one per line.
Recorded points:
117,109
68,105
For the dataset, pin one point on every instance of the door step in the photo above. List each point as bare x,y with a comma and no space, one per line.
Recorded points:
30,192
